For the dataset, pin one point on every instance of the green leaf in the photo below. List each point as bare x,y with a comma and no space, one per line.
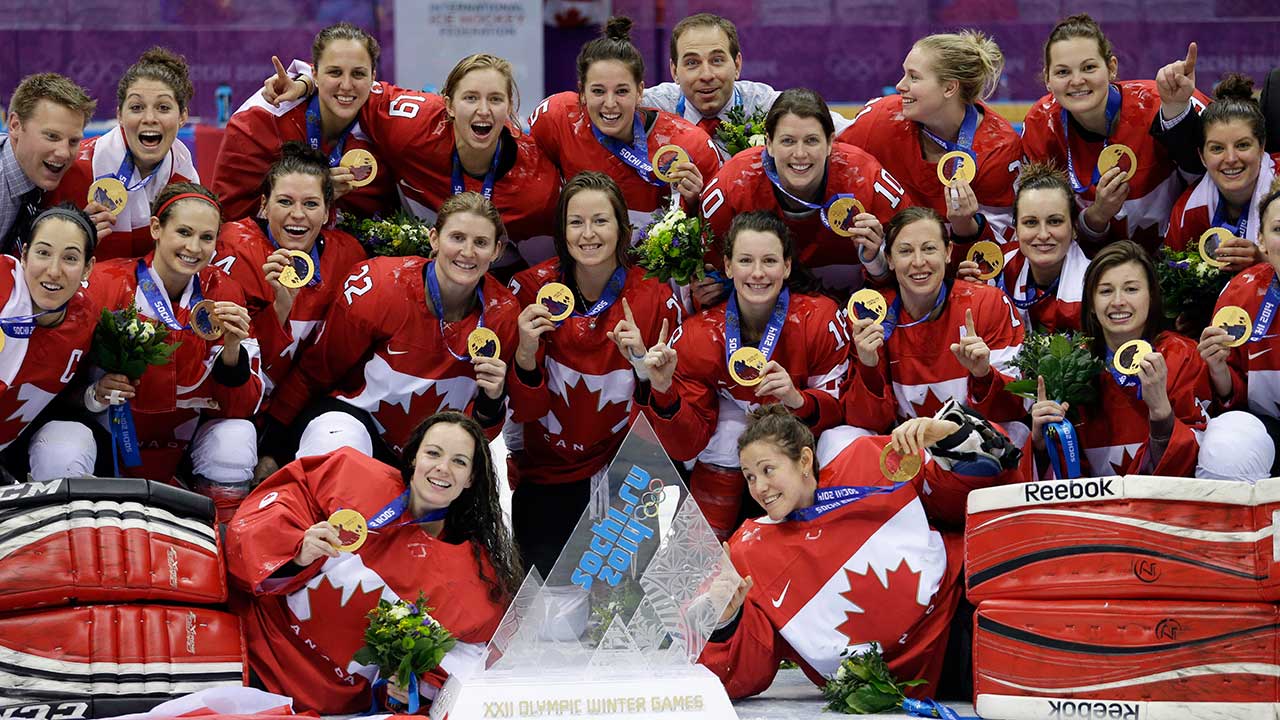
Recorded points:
1059,346
1026,387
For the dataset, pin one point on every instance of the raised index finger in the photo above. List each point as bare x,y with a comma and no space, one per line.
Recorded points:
1040,394
280,73
968,323
626,312
662,334
1189,65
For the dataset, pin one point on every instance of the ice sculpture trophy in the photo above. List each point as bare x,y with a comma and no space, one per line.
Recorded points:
618,625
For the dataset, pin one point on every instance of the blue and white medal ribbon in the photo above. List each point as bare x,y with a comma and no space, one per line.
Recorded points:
610,294
1065,432
314,134
772,330
23,326
737,102
826,500
964,140
1267,312
396,508
895,311
125,173
638,161
1034,292
158,302
1239,228
1121,379
1112,110
929,709
490,177
771,172
437,304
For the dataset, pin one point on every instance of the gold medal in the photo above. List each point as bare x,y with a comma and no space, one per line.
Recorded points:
290,278
746,366
1209,241
1,341
352,531
1235,320
988,257
899,468
868,303
666,156
557,298
1128,358
363,165
1110,157
483,342
111,193
841,213
966,168
204,323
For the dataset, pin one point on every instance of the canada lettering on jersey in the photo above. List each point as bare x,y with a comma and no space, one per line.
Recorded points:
616,539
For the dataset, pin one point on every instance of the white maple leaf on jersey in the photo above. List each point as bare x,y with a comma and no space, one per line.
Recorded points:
300,330
384,384
614,387
1264,392
1111,459
33,400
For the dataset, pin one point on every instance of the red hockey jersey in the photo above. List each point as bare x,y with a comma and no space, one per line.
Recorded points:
575,420
917,371
1155,183
171,398
880,129
381,349
1194,211
1255,371
713,408
563,131
242,250
1057,312
874,570
414,134
304,630
1115,434
102,156
34,370
252,142
742,186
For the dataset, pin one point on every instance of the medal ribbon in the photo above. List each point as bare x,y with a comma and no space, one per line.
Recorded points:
1240,227
1267,312
437,304
610,294
928,709
1121,379
314,253
964,140
157,300
314,134
826,500
772,331
394,509
1113,109
737,101
895,310
1065,432
638,161
124,436
125,173
23,326
490,177
1035,293
411,690
771,172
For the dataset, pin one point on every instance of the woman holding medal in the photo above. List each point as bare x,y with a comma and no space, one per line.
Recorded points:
833,197
951,151
900,339
46,326
1122,143
1148,416
406,337
466,138
287,263
345,59
571,432
432,526
195,406
774,340
602,127
826,527
124,170
1238,175
1043,272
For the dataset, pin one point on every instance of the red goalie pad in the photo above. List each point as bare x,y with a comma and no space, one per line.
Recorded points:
1122,537
1078,658
108,659
106,540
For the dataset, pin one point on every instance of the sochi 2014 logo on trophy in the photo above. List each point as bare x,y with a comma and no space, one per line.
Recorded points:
623,614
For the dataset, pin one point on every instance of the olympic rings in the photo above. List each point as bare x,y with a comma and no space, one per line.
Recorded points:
650,500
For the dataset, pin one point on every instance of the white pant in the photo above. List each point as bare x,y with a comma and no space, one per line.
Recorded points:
62,448
225,451
1235,446
332,430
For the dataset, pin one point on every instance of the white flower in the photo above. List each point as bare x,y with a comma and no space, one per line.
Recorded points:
148,330
843,673
399,612
755,141
133,328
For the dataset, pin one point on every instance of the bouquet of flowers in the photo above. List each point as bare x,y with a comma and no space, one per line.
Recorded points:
1069,368
863,685
739,132
674,245
403,640
125,343
399,235
1190,287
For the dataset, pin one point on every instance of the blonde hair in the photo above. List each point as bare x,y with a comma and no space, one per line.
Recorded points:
474,203
54,88
485,61
969,57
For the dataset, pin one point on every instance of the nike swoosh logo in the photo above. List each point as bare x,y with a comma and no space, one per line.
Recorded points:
396,352
778,603
1260,352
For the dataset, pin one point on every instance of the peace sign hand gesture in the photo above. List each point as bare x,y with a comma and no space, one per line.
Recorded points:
972,350
661,362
